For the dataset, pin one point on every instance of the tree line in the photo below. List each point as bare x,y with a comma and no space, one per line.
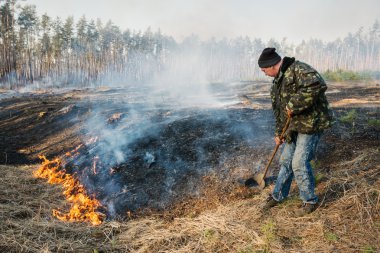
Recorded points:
41,49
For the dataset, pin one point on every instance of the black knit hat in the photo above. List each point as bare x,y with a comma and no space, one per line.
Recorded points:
268,58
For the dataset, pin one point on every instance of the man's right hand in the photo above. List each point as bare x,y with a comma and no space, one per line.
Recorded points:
278,140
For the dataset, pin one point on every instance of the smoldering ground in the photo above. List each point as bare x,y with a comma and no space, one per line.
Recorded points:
161,147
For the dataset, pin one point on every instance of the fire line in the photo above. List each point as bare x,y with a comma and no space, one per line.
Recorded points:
83,207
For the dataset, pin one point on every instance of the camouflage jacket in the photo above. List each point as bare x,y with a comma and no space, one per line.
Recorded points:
302,89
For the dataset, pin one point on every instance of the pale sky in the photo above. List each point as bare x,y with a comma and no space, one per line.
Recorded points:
293,19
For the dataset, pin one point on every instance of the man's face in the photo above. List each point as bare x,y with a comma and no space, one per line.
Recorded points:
270,71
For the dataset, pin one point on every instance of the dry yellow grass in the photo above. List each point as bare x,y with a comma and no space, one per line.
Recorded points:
348,220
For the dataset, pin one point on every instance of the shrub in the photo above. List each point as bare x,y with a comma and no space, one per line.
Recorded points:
374,122
350,117
346,75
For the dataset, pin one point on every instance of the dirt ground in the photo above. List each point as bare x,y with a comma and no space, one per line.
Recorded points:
224,216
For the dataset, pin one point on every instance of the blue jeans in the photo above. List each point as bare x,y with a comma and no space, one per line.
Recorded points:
295,162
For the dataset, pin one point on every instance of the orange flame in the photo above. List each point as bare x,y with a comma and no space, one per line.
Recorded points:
83,207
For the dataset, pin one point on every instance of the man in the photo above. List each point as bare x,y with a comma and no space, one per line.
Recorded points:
298,91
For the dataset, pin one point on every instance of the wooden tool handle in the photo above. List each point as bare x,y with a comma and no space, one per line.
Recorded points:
285,128
277,146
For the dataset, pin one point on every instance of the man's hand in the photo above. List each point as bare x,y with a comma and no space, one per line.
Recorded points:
278,140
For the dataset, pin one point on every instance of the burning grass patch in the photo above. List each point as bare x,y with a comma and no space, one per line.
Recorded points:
83,208
26,223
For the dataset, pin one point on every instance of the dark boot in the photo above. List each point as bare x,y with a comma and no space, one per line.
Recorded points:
269,203
306,208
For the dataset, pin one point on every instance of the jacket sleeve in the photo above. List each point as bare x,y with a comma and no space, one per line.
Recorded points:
309,86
